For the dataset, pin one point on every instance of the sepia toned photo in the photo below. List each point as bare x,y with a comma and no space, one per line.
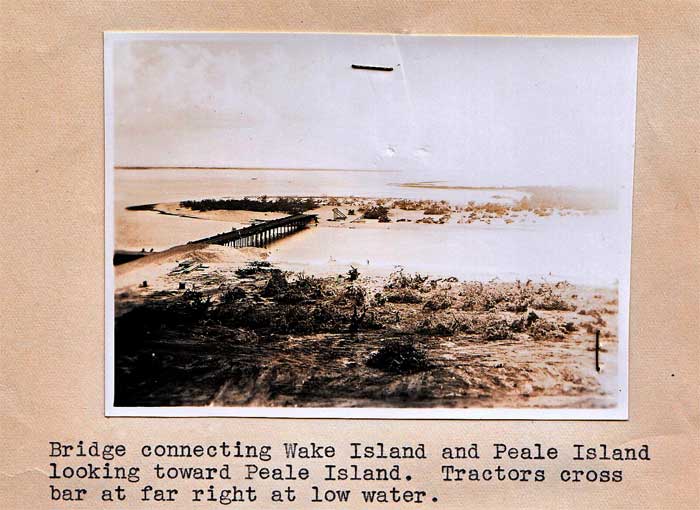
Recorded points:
335,225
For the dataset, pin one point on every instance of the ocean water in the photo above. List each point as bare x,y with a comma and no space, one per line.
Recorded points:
133,187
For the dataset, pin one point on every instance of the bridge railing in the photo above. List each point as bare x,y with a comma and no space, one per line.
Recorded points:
233,235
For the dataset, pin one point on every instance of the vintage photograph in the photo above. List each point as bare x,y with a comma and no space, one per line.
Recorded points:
336,225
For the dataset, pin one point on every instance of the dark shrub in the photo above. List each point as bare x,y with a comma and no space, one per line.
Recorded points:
523,323
353,274
438,302
195,299
253,268
546,299
399,357
232,295
245,315
296,319
546,330
276,284
437,208
379,299
404,296
378,212
400,280
497,329
355,295
288,205
436,327
303,289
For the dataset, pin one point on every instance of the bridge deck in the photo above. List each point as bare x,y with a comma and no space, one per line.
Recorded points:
263,233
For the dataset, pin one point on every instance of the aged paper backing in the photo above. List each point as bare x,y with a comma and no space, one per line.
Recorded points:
52,231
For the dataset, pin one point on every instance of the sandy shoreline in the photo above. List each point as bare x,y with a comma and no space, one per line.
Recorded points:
477,241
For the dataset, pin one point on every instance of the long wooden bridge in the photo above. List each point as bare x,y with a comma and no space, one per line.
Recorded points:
262,234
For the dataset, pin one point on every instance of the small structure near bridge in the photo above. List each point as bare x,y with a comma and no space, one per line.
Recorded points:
338,215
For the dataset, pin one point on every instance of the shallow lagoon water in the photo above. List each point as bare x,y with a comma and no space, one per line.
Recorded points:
582,248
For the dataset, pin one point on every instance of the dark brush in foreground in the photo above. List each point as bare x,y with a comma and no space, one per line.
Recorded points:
272,338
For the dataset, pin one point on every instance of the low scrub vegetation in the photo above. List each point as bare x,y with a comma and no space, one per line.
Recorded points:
389,325
517,297
289,205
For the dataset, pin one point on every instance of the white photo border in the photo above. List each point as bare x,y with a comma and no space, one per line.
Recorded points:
618,413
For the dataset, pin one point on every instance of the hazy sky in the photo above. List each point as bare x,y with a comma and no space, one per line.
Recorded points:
476,110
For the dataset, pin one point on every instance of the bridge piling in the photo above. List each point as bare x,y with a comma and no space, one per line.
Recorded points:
262,234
